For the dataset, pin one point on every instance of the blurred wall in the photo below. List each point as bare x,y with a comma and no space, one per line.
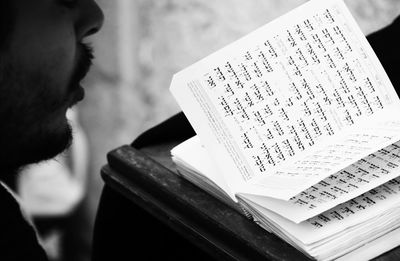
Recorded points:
144,42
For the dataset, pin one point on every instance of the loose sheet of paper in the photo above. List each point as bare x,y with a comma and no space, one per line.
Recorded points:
270,98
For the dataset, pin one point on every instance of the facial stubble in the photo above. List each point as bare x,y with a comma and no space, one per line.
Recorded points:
27,109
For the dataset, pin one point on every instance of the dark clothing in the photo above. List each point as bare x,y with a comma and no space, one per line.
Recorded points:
385,44
18,239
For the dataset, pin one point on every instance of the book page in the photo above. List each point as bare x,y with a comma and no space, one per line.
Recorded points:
191,154
275,94
326,159
376,202
375,248
358,178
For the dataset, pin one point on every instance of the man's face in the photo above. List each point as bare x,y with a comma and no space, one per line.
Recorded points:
40,73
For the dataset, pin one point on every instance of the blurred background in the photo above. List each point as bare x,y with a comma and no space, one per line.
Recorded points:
142,44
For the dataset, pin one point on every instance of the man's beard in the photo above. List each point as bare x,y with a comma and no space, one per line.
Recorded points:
33,126
27,107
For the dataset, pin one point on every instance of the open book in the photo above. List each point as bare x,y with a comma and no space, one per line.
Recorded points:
298,124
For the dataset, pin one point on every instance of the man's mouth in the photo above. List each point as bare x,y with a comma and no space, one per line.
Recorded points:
82,68
84,62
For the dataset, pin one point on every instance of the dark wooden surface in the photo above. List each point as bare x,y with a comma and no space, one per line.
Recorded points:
200,218
146,177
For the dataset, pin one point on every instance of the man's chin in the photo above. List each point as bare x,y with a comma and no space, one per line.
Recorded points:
39,148
52,145
52,150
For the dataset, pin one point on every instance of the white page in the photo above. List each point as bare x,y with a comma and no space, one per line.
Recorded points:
280,82
341,217
374,248
326,159
360,177
194,155
355,238
349,239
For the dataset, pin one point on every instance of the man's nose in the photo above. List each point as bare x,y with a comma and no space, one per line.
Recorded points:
90,19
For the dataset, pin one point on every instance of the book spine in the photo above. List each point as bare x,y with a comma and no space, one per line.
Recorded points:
245,211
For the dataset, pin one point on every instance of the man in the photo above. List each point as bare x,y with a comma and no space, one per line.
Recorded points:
42,60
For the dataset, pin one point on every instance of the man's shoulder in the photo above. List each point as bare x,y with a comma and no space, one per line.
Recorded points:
18,240
7,202
387,49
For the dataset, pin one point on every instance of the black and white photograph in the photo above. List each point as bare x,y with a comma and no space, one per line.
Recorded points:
199,130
